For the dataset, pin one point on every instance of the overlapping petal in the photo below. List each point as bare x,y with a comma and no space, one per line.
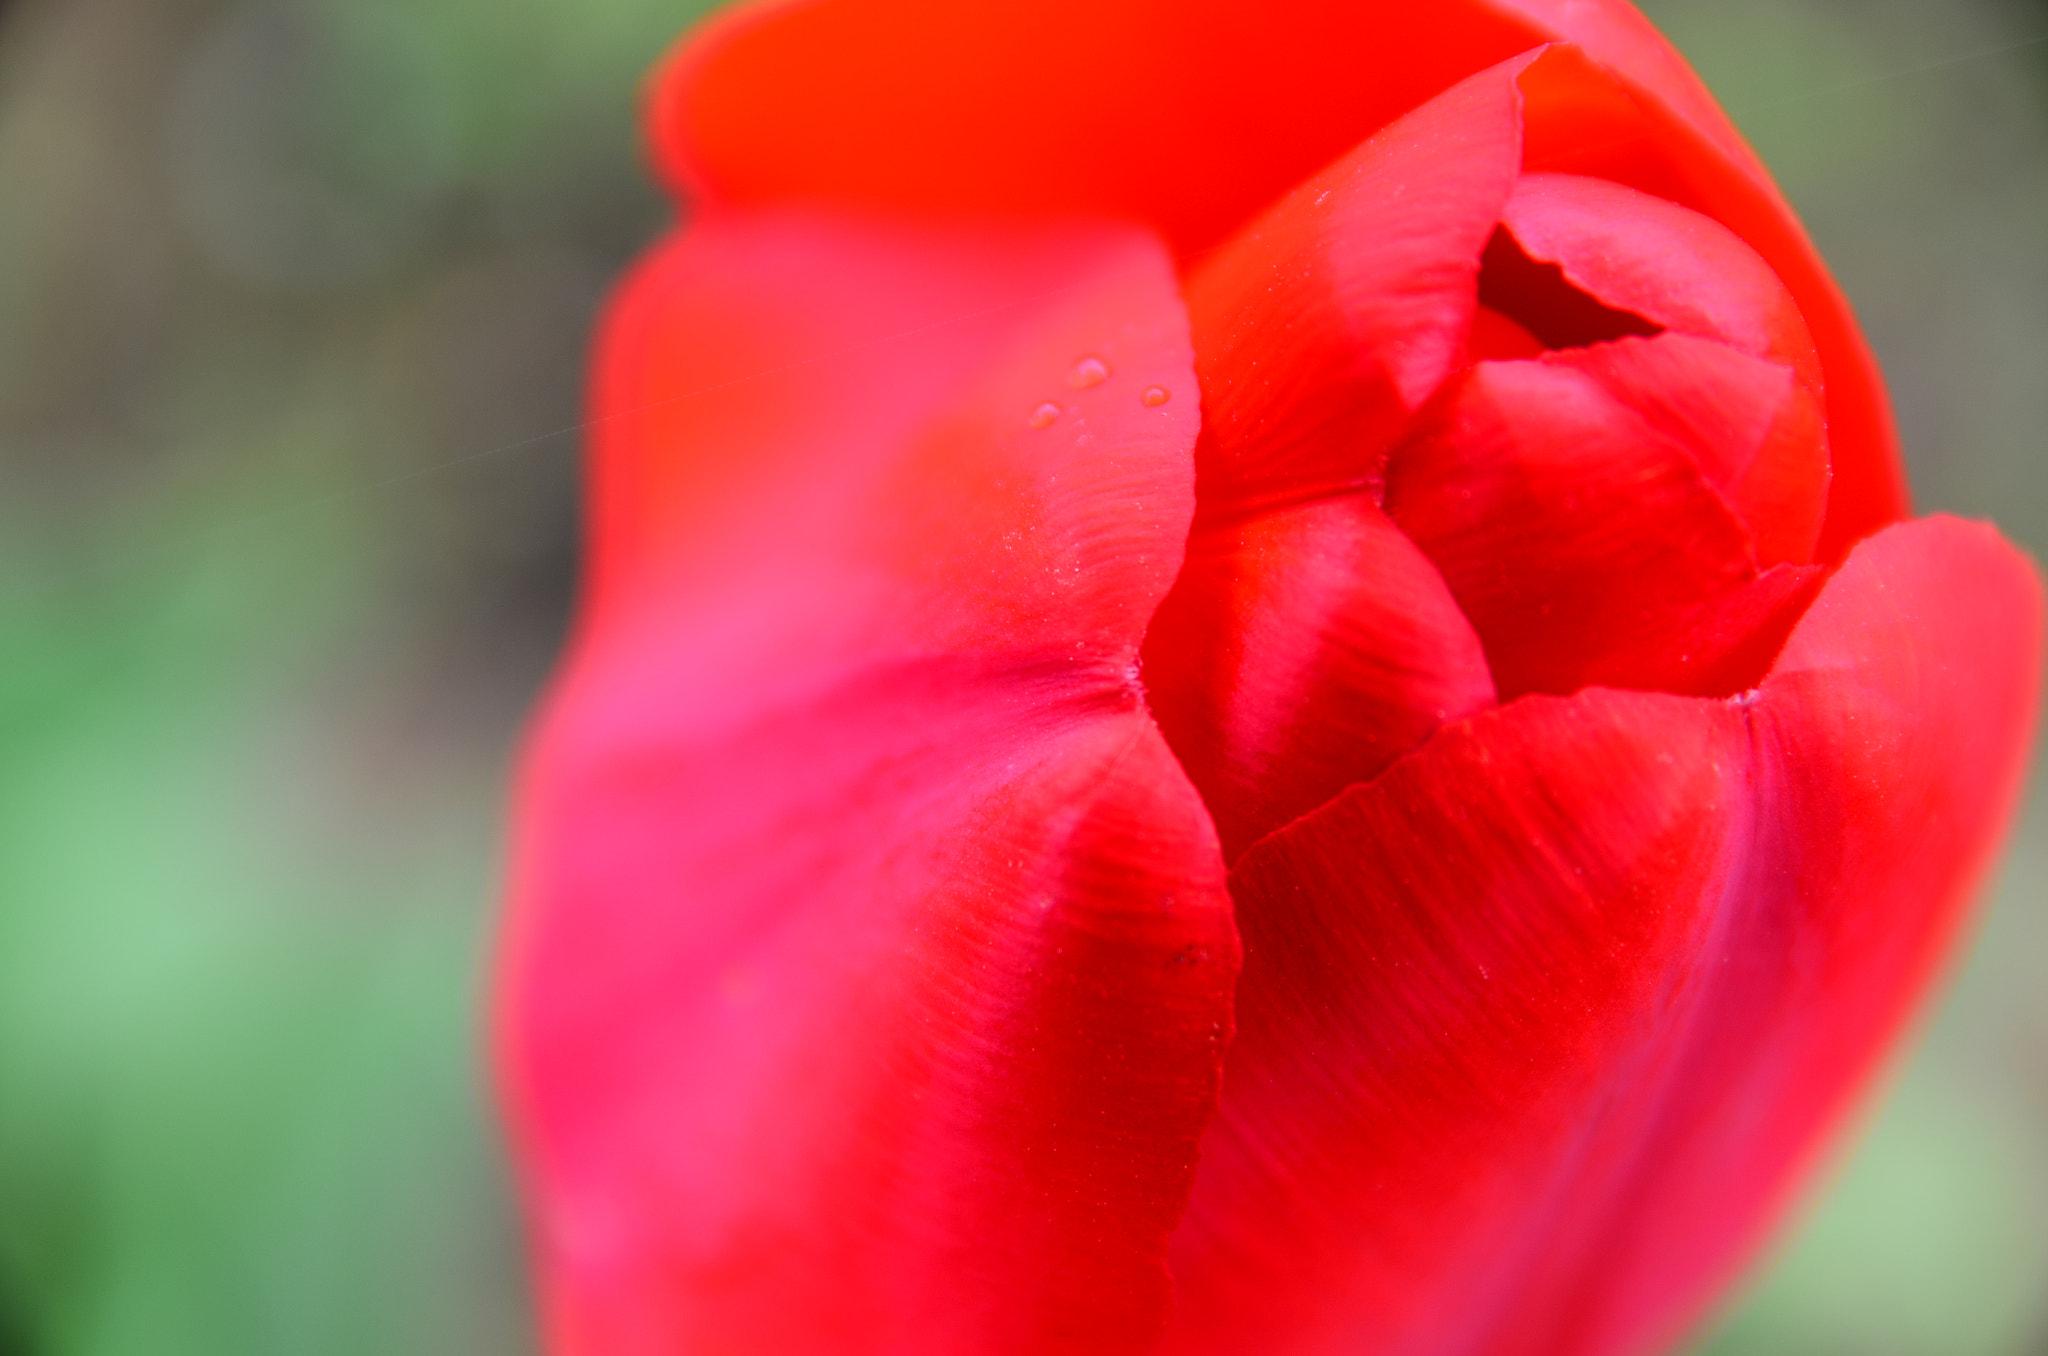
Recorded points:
1675,268
1758,434
1302,651
1195,116
1628,954
1521,891
1586,546
1601,118
870,965
1324,325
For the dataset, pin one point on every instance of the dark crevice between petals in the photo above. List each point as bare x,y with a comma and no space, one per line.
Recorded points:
1538,297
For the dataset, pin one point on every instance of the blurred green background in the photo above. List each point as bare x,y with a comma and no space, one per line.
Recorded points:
293,296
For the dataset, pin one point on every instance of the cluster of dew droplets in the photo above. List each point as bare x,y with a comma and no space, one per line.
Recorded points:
1088,371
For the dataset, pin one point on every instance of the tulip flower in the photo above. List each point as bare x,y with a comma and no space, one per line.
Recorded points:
1253,679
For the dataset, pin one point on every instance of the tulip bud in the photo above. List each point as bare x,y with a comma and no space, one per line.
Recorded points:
1251,682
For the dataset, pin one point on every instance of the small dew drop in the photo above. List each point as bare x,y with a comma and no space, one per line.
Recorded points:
1156,395
1043,416
1089,371
1322,197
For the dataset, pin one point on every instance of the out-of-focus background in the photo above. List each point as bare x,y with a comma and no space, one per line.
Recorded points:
293,296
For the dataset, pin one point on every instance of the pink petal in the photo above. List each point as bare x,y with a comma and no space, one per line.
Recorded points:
870,965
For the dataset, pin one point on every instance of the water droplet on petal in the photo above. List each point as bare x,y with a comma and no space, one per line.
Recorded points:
1156,395
1043,416
1089,371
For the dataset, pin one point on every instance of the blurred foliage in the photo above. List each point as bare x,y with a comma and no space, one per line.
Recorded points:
293,297
1912,135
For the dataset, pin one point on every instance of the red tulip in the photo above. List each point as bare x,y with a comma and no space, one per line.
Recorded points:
1252,681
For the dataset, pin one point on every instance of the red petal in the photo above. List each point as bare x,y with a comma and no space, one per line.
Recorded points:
1333,317
1189,114
1633,121
1586,547
1615,34
1496,338
1759,437
1887,752
1194,114
870,964
1301,652
1537,1031
1449,973
1672,266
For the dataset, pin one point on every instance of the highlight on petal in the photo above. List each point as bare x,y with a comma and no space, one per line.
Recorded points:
1191,115
1300,652
870,965
1633,958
